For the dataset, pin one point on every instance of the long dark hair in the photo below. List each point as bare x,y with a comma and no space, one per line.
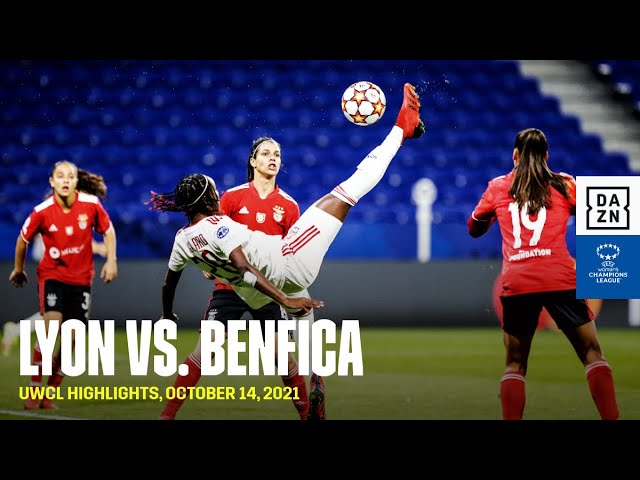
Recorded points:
254,148
88,182
533,177
194,193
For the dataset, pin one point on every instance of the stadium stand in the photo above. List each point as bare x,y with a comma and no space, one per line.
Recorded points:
623,78
143,124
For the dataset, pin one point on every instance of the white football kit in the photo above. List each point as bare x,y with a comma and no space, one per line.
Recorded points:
291,263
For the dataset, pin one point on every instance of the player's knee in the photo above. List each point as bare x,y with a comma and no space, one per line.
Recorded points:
592,351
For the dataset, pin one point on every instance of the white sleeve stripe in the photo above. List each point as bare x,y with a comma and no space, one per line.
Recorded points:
47,203
477,219
86,197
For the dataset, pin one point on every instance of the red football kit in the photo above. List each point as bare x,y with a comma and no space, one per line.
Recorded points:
534,249
67,237
272,215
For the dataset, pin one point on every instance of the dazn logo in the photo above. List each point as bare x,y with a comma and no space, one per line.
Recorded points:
608,208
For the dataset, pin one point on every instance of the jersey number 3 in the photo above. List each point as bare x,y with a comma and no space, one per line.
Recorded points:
521,218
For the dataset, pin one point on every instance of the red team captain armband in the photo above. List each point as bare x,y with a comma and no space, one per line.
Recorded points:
250,278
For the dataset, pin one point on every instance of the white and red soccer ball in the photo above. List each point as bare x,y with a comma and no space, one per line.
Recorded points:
363,103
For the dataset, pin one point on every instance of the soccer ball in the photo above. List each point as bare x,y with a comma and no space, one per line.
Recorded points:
363,103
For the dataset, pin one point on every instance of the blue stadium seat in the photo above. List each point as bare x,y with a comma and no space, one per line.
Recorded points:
144,123
622,77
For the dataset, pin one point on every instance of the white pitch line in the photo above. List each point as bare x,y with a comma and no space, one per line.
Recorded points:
39,415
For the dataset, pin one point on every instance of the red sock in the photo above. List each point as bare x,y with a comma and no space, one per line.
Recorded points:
294,379
512,395
56,371
37,361
190,380
602,389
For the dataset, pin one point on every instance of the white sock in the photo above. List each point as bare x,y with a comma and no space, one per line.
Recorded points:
33,318
371,170
10,332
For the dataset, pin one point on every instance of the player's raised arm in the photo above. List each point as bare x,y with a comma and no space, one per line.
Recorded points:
254,277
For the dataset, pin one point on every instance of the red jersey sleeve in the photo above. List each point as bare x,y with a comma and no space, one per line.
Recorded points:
485,209
103,222
226,204
483,215
571,182
31,226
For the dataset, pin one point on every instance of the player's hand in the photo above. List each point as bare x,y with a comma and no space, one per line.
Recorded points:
207,275
109,271
302,306
19,279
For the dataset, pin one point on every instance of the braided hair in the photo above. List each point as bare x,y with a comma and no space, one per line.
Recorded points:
254,149
194,193
533,177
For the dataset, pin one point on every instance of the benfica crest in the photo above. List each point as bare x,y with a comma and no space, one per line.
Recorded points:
82,221
278,213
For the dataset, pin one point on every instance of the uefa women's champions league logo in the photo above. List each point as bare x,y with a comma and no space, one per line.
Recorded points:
608,273
608,252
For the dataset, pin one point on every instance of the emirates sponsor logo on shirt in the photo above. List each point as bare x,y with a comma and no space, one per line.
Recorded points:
82,221
72,250
278,213
261,217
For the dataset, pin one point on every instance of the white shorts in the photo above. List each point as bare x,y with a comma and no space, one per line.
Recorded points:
303,251
305,246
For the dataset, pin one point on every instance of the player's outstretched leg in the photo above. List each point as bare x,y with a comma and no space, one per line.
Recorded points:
409,116
371,170
317,219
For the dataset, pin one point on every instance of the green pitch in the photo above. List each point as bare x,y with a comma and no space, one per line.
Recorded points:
409,374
